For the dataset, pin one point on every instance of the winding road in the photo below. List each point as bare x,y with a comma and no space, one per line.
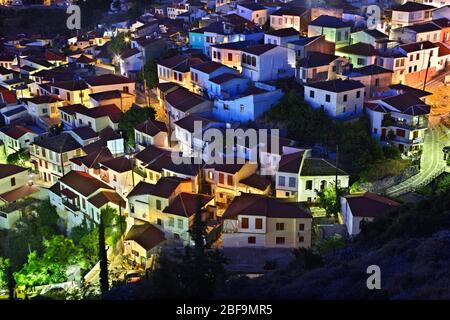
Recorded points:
432,162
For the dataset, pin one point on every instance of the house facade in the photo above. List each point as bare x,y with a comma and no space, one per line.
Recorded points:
259,221
340,98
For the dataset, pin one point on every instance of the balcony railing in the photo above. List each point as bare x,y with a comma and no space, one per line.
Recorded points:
418,140
392,122
71,206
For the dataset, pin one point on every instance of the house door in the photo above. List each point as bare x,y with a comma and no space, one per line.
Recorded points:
383,133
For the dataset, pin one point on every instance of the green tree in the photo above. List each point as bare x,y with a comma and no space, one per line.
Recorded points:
47,217
150,74
20,158
103,258
51,267
118,44
329,201
391,152
331,244
443,184
133,117
305,259
150,68
4,265
114,224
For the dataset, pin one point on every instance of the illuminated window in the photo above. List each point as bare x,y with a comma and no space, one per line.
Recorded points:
258,223
244,223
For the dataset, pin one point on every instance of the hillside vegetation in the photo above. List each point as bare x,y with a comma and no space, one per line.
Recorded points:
411,246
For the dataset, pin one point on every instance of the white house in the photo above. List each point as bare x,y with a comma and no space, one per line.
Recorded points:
400,119
80,197
130,61
72,91
318,66
259,221
227,85
151,132
15,185
181,102
229,53
339,98
281,37
109,82
335,30
248,105
265,62
201,73
16,137
253,12
356,208
317,174
427,31
98,118
289,17
411,13
51,156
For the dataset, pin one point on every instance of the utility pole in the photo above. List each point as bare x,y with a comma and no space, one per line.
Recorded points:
336,178
145,88
426,72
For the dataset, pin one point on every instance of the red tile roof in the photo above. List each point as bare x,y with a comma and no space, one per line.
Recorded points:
259,49
108,110
15,131
7,170
104,197
146,235
107,79
186,204
119,164
83,182
151,127
259,205
370,205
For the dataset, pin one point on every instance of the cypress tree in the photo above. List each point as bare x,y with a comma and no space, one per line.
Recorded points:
103,257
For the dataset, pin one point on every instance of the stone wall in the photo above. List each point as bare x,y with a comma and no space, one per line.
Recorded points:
380,186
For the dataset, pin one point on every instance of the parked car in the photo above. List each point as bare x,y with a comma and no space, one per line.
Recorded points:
133,276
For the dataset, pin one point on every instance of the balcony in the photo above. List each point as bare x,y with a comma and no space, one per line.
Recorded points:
72,207
140,172
230,226
320,76
421,123
404,140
